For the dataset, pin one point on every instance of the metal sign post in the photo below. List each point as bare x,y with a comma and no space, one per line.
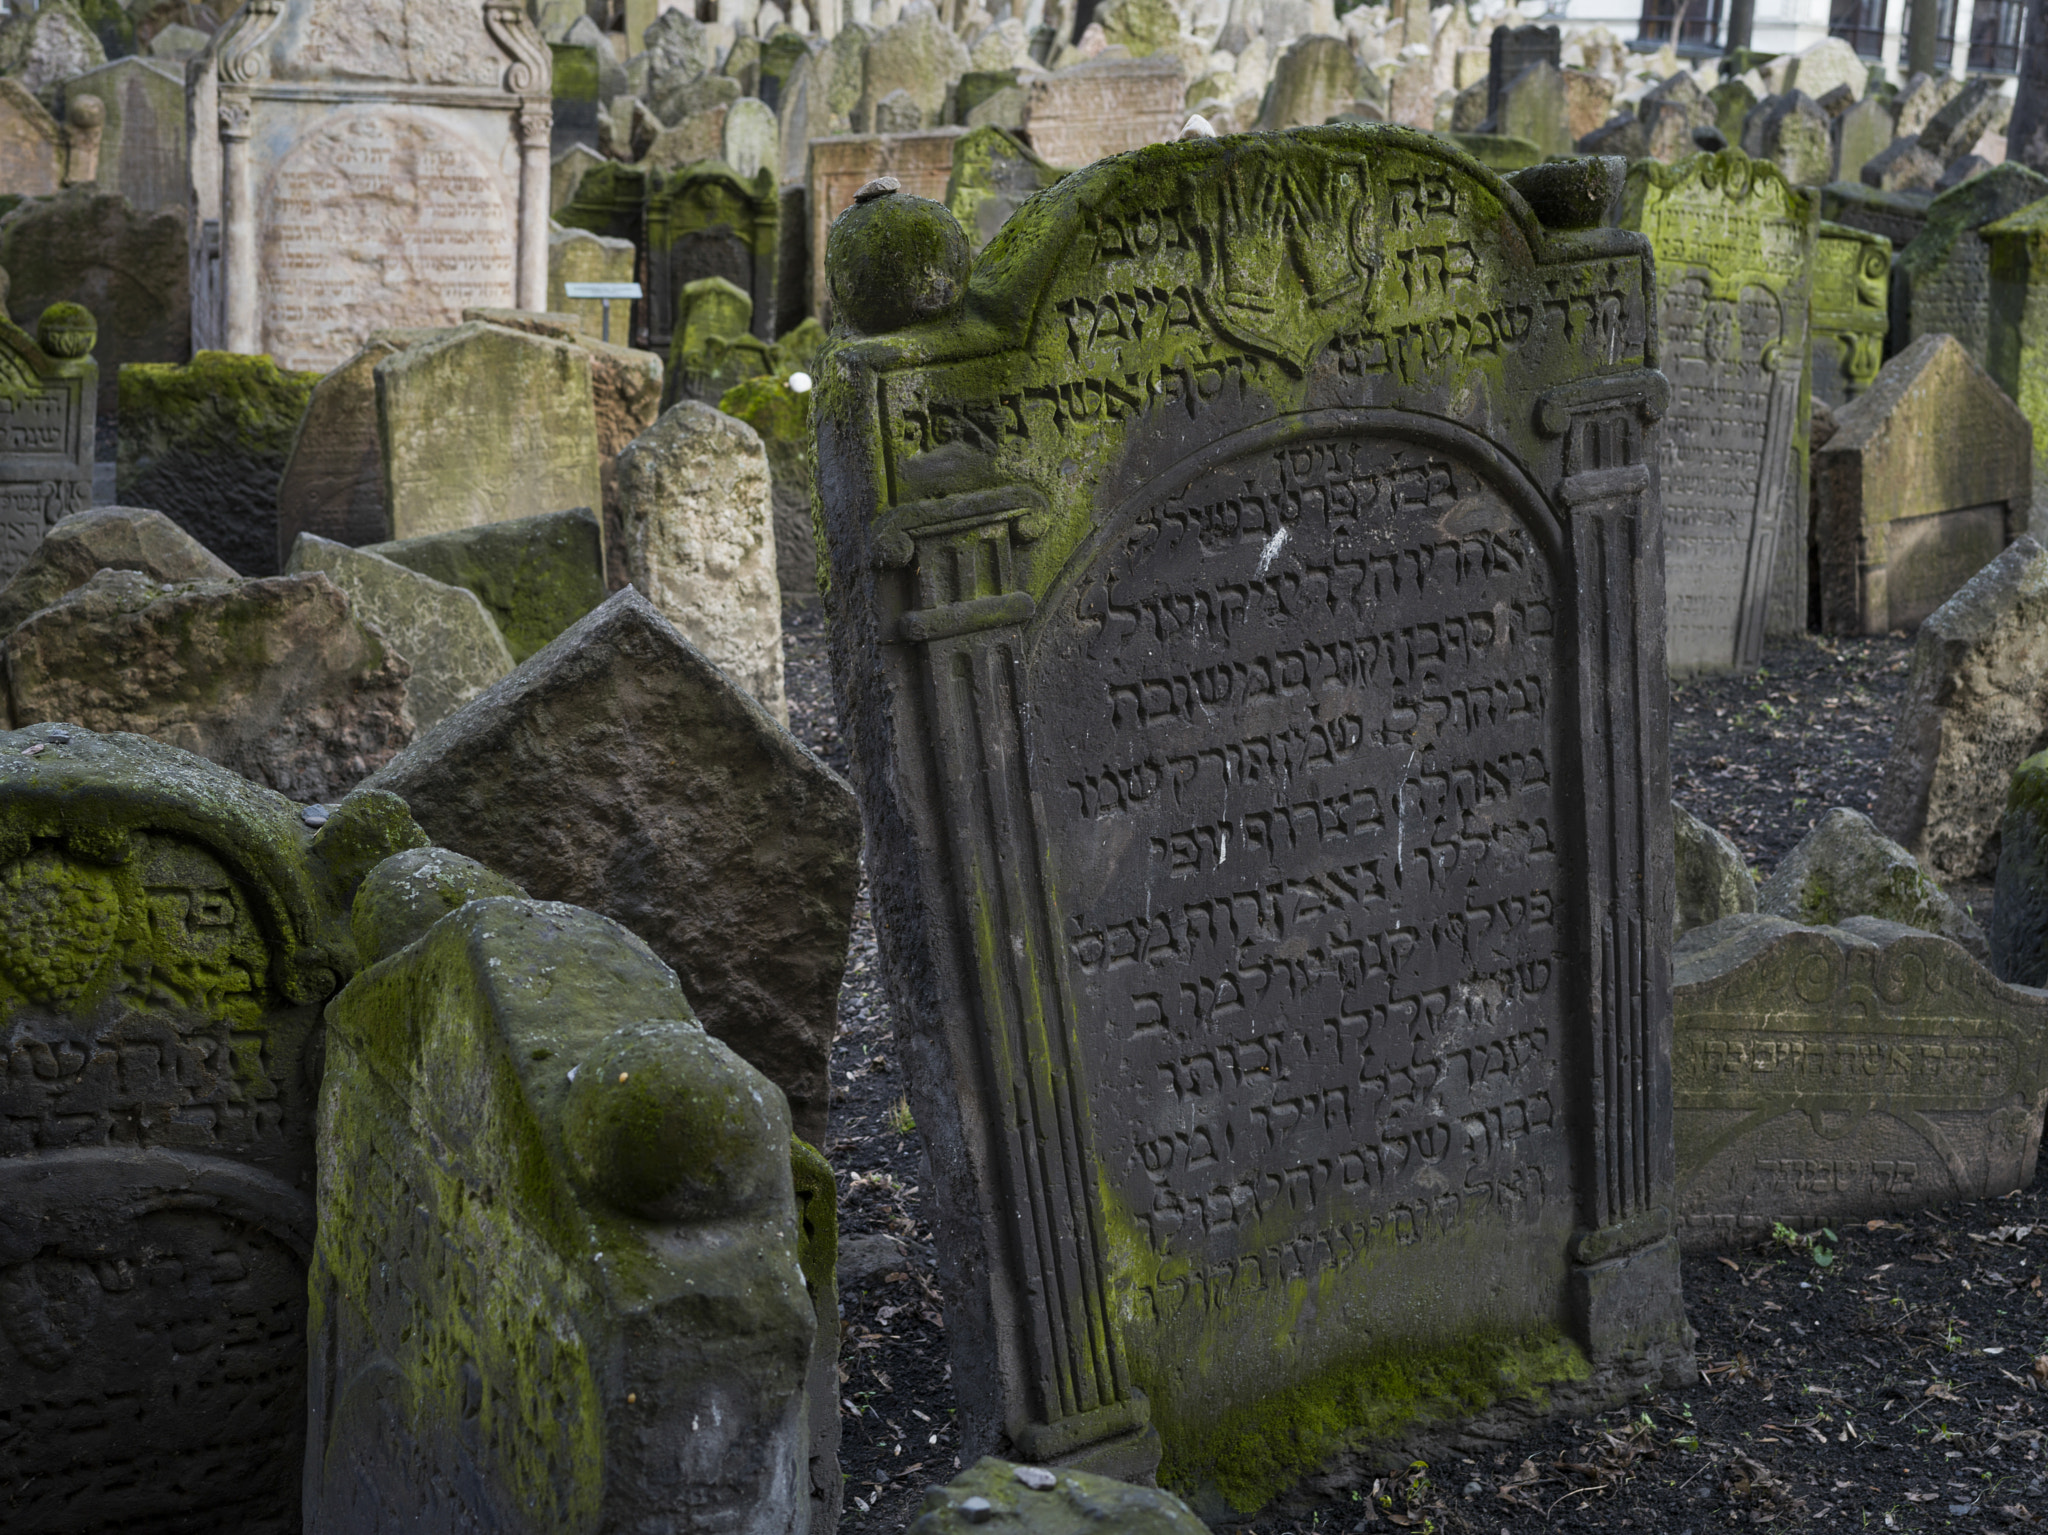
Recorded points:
604,292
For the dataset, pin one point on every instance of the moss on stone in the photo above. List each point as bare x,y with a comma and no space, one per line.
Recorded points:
817,1213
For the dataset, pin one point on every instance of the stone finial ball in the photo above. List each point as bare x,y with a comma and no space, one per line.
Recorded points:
667,1124
67,330
895,260
86,112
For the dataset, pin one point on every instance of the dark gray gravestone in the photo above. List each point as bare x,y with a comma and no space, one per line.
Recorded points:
704,221
1734,245
48,386
168,934
1514,49
1265,782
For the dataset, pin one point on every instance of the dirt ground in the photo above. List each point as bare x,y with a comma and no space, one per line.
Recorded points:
1884,1377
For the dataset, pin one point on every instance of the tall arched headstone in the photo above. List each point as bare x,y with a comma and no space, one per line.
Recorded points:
1247,597
49,385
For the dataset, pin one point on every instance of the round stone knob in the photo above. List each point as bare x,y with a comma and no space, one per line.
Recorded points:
895,260
67,330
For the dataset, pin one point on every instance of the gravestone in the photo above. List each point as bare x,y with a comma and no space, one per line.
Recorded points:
1178,1093
706,221
43,46
921,163
1531,107
1862,133
483,424
1903,166
1314,80
1713,880
619,768
1943,278
577,255
1850,310
1824,1075
1899,219
1089,111
1670,111
1845,867
2016,341
207,444
367,163
83,544
750,141
1734,245
536,1172
48,385
919,54
576,99
712,349
2019,901
534,575
1796,136
565,174
1928,477
31,143
143,142
993,172
1512,50
332,483
173,932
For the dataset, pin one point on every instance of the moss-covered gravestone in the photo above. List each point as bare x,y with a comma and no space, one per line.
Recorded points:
993,172
1244,599
705,221
556,1283
2016,346
1851,294
169,933
1943,276
534,575
48,384
1827,1074
1734,245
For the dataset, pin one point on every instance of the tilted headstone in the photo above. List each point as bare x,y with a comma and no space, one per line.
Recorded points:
1850,310
620,769
206,443
1713,880
534,575
920,163
919,54
143,144
1976,703
31,143
367,167
482,424
1862,133
1514,49
2019,901
83,544
1734,245
1830,1074
2016,338
993,172
1943,278
172,932
706,221
556,1283
1903,166
1981,107
1928,477
782,418
1087,112
1531,106
48,386
1214,1015
1845,867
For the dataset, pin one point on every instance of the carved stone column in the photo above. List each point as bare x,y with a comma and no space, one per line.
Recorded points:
241,332
536,127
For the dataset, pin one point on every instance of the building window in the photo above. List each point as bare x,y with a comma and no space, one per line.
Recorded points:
1860,24
1996,27
1695,23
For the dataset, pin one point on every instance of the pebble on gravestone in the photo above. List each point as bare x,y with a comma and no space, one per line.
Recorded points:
536,576
1314,80
1015,578
706,221
274,678
46,455
1090,111
697,533
621,769
454,648
1712,878
483,424
206,443
536,1062
1830,1074
172,934
1850,311
921,163
106,538
1845,867
1902,166
2019,900
1036,1500
1734,244
782,418
1928,477
2016,342
1976,703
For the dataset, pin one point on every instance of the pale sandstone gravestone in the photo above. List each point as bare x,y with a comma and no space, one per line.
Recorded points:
557,1279
577,255
48,388
31,143
1943,277
1734,245
363,164
920,163
172,932
1850,311
1172,864
1928,476
1832,1074
1087,112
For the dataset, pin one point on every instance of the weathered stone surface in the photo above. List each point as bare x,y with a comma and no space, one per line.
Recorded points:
454,648
143,143
206,444
577,255
43,47
1943,278
706,221
621,769
1034,1502
106,538
782,419
1830,1074
1089,111
485,424
1981,107
31,143
697,522
1928,476
521,1114
168,915
1896,216
534,575
1314,80
1861,134
1902,166
1512,50
1531,106
920,55
1049,757
2016,341
1713,880
48,384
751,139
1796,136
2019,904
994,171
1845,867
1734,244
712,348
1850,311
413,890
1976,705
127,267
1671,111
274,678
332,483
679,50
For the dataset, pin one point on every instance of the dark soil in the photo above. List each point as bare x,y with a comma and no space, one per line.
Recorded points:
1896,1386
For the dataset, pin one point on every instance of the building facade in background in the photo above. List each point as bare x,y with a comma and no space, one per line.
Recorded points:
1874,28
